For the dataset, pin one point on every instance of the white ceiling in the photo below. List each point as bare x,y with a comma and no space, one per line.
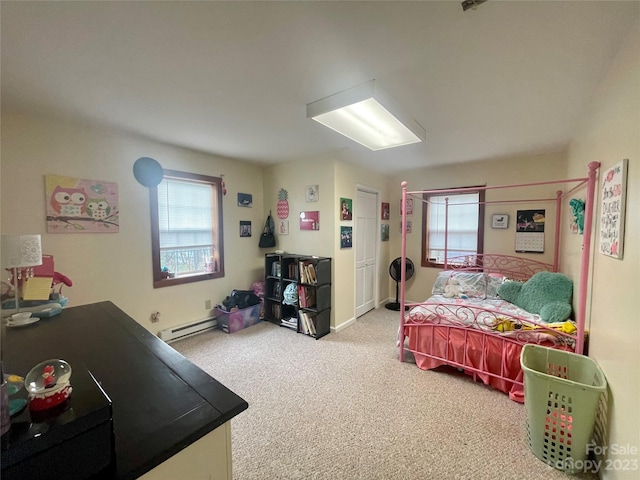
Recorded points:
233,78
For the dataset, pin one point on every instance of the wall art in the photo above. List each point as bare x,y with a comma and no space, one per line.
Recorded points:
384,232
310,220
346,207
346,237
283,204
409,206
385,211
500,220
312,193
76,205
245,228
245,200
612,210
282,227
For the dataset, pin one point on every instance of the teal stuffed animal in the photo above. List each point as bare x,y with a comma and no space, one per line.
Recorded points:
547,294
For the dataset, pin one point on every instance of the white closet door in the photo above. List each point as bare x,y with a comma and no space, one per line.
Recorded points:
366,238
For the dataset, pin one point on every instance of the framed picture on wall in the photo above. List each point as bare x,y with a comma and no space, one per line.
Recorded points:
311,193
385,211
346,207
500,220
346,234
245,228
409,206
384,232
612,210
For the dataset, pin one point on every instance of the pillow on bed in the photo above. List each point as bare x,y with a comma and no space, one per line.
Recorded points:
441,282
494,280
547,294
473,284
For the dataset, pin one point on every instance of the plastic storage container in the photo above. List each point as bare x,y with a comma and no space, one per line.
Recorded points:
237,319
561,395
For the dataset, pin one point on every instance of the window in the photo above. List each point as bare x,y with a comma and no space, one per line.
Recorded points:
186,229
465,226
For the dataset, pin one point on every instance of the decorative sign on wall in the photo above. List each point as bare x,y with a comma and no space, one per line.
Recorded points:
385,211
409,206
245,200
384,232
245,228
312,193
530,231
75,205
310,220
612,210
346,237
346,206
283,227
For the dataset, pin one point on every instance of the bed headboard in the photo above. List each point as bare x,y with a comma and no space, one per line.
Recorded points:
516,268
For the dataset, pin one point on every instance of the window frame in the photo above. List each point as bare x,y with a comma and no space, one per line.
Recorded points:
158,281
480,190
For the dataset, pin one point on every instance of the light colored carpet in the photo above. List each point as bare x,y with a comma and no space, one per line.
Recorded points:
343,407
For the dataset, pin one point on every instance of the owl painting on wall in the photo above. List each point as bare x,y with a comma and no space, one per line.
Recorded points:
81,206
69,202
98,208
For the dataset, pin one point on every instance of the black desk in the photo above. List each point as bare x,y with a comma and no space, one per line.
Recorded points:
161,402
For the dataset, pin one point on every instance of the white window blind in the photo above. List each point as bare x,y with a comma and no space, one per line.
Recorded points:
462,227
185,214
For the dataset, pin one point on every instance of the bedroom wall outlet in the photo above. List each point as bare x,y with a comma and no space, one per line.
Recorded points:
207,305
155,317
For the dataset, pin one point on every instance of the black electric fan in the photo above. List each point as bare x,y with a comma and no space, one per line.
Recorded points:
395,270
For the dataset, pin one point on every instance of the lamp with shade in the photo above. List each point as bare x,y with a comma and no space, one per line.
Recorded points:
21,253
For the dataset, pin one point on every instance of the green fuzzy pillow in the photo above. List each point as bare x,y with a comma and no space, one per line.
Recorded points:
547,294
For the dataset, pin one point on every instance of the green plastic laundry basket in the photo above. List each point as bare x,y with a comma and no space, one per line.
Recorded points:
561,395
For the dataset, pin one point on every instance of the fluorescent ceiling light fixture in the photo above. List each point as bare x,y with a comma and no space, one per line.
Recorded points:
368,115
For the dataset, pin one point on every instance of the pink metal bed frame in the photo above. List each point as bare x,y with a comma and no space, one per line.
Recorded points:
515,268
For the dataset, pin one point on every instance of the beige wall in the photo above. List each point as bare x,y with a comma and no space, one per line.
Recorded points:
335,180
117,266
526,169
610,132
347,180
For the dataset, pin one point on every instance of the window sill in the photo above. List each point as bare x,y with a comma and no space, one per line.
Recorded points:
196,277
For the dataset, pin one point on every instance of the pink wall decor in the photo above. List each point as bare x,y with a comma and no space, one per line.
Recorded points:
76,205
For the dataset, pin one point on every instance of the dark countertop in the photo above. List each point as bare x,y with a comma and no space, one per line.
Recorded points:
161,401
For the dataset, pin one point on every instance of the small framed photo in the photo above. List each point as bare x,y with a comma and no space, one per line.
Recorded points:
409,206
384,232
311,193
346,237
245,228
283,227
346,206
385,211
500,220
245,200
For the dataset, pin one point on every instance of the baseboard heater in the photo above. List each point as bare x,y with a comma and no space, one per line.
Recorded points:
187,330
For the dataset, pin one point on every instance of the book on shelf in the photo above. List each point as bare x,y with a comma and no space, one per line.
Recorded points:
306,296
276,269
293,270
307,322
303,323
307,272
289,322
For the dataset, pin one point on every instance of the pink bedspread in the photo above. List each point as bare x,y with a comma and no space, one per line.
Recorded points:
497,355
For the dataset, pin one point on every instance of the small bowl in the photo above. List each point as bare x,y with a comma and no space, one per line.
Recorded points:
20,317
